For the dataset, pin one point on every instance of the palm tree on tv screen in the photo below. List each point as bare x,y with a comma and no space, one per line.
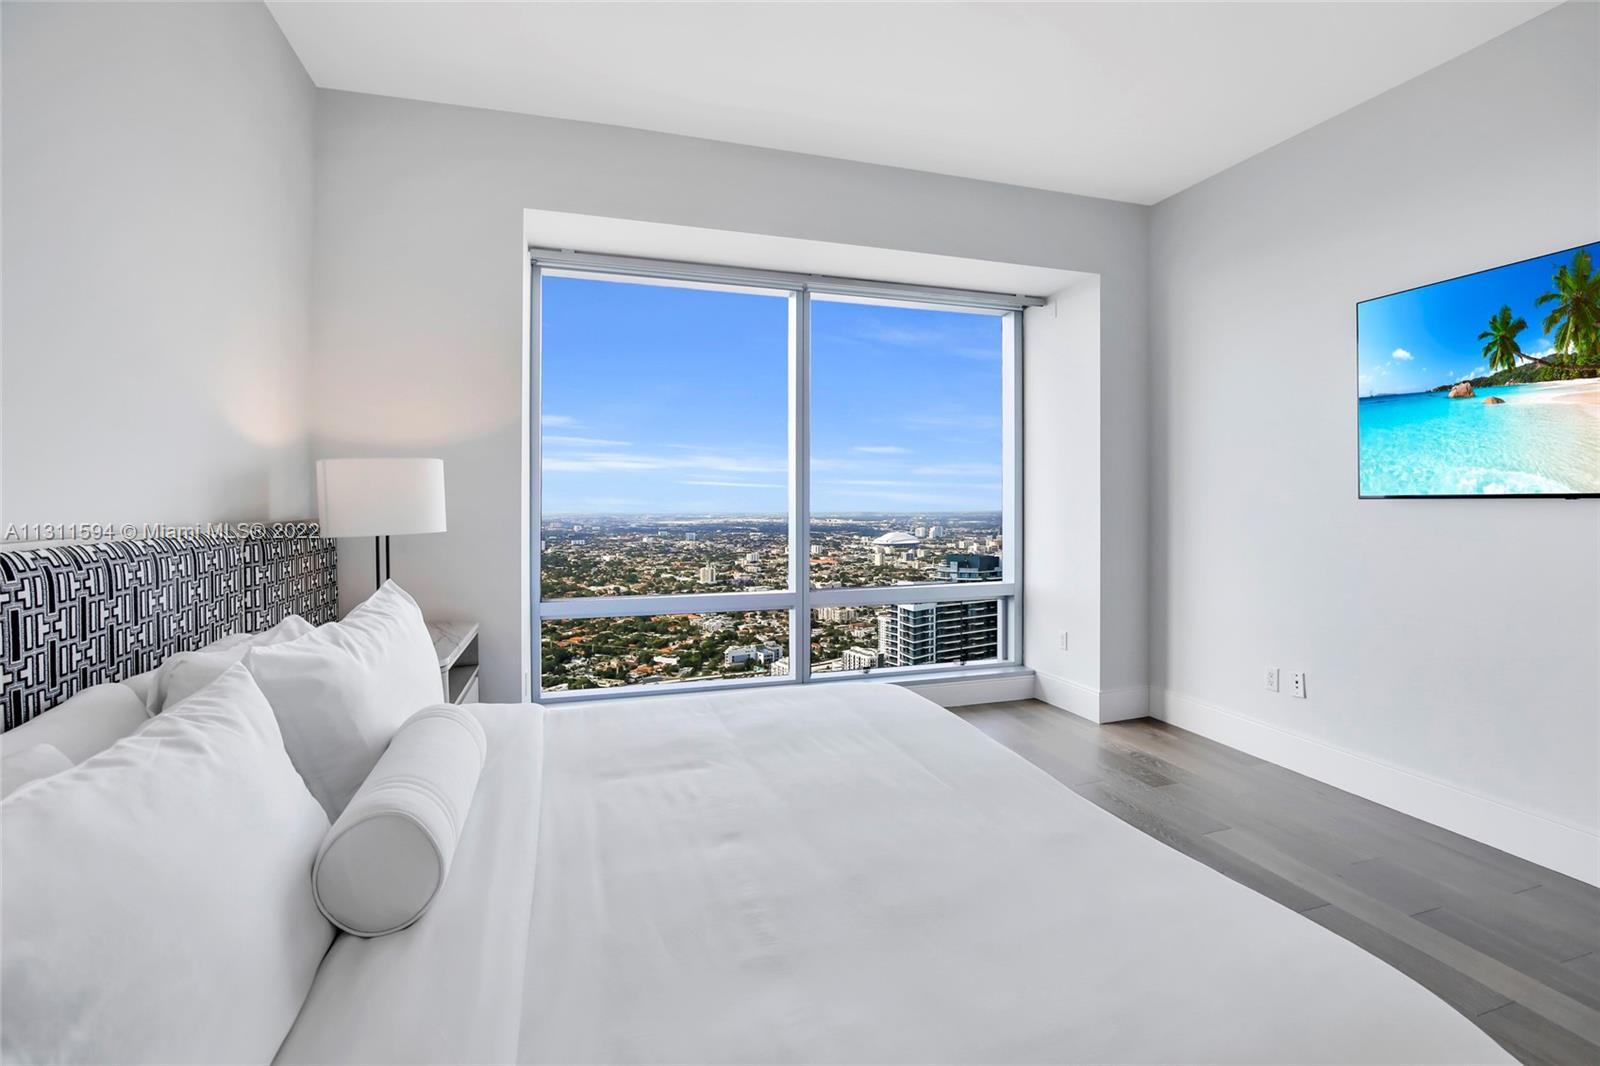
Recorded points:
1575,317
1502,349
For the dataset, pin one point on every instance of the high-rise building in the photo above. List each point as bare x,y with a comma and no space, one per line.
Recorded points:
914,634
838,614
858,659
968,567
708,575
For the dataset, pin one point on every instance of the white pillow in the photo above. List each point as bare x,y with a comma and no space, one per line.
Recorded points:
182,675
341,691
88,723
387,856
141,684
156,898
30,764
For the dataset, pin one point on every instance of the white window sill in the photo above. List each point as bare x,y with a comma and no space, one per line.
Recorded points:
911,677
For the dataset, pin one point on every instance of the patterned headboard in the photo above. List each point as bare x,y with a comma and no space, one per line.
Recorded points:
76,615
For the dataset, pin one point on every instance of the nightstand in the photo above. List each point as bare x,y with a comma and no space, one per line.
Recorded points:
456,645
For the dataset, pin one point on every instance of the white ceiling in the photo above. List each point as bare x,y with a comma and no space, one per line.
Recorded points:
1133,101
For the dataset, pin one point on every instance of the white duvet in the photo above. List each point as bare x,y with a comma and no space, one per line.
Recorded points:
839,874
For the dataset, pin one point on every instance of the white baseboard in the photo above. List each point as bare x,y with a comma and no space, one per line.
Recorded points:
1123,704
964,691
1080,700
1567,849
1097,705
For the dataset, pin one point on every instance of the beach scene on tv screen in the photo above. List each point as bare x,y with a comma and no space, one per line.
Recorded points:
1484,385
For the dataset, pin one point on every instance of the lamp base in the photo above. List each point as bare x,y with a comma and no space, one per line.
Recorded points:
382,564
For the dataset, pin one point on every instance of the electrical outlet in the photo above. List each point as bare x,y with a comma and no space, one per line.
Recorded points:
1297,685
1272,679
1062,640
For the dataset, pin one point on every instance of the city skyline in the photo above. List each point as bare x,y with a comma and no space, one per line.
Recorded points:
671,400
624,555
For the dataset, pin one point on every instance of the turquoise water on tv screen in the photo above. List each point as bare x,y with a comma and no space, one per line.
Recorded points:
1426,444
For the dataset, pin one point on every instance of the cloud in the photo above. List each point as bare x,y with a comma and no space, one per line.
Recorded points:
889,482
951,419
1400,354
931,499
940,486
632,462
958,470
584,442
936,339
901,337
881,449
731,484
592,505
559,421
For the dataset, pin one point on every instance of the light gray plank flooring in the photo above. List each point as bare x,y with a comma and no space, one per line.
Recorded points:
1509,944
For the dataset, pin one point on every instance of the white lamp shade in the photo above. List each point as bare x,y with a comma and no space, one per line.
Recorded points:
380,497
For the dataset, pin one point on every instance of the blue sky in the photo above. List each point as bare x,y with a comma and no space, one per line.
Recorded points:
1414,341
666,399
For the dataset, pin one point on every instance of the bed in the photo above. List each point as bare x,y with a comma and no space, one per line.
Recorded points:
845,873
837,873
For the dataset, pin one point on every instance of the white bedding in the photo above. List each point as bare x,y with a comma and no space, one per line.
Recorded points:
840,874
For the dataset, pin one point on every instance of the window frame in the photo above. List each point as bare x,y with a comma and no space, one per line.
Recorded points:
800,598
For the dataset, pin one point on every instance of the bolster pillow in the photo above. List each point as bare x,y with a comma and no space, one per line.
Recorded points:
387,856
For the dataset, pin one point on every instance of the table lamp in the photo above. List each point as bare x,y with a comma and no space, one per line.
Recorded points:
380,498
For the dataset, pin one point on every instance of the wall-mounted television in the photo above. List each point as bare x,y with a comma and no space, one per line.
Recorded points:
1484,385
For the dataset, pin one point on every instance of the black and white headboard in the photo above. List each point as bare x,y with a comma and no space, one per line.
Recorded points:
76,615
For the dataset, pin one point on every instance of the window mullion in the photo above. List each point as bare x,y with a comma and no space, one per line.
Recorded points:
674,603
873,595
534,682
1011,481
800,483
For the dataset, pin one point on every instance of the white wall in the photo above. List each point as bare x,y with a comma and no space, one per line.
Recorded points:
174,248
1453,647
156,264
1062,419
418,316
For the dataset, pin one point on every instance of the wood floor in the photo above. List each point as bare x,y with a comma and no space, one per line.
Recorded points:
1511,945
